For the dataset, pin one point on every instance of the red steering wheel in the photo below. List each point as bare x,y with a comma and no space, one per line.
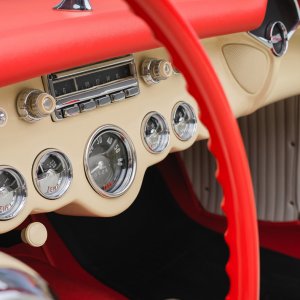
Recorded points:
225,143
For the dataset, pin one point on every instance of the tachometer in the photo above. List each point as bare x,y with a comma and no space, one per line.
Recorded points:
13,192
110,161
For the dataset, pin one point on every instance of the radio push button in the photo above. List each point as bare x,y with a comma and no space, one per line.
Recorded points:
71,111
132,92
102,101
87,106
117,96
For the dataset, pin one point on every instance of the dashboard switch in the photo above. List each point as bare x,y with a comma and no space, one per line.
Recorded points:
87,106
155,70
35,234
33,105
71,111
132,92
117,96
102,101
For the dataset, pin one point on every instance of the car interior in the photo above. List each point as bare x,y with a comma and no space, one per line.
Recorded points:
150,150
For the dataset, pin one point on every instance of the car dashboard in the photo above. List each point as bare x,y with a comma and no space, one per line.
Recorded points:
78,137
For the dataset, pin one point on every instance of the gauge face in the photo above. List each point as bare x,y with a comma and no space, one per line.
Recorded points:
52,174
110,161
155,132
184,121
13,193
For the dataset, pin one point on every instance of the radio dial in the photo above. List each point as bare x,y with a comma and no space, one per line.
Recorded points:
33,105
155,70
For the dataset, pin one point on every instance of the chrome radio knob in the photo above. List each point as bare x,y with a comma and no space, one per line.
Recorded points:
33,105
155,70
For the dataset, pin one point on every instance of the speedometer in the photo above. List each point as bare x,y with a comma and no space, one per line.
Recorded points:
110,161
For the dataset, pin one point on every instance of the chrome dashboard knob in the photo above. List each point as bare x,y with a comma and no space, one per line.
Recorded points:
154,70
33,105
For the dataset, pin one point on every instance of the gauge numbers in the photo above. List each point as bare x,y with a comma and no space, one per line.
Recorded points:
110,161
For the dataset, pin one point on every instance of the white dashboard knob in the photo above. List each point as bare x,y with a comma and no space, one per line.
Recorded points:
35,234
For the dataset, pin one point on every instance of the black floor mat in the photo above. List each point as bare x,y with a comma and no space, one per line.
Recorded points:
154,251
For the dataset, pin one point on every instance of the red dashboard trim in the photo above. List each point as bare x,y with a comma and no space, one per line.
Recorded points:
37,40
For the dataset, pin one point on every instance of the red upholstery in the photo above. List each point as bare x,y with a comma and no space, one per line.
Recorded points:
280,237
56,264
37,40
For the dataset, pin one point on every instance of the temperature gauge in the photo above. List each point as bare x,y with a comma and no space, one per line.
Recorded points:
155,132
52,174
13,193
184,121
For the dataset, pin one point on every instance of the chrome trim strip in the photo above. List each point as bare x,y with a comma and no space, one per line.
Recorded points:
92,67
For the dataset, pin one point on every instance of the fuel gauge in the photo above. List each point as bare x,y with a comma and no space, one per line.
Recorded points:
184,121
155,132
52,174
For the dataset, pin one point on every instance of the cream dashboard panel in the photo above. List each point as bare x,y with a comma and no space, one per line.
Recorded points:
247,70
22,142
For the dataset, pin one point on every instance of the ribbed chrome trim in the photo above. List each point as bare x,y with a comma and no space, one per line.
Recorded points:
271,136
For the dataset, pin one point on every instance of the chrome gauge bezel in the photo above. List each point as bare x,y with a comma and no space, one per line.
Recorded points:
67,180
132,161
21,198
193,117
166,140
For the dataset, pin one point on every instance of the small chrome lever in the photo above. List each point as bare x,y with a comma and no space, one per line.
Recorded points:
74,5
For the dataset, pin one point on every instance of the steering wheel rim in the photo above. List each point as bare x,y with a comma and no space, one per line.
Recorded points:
225,143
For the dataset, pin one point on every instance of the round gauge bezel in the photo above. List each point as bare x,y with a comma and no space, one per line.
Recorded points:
163,121
191,111
68,180
132,161
20,202
271,36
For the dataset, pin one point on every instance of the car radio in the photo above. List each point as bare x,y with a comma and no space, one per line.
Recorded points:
86,88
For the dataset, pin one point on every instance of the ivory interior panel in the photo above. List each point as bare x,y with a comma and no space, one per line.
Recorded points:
271,137
21,142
